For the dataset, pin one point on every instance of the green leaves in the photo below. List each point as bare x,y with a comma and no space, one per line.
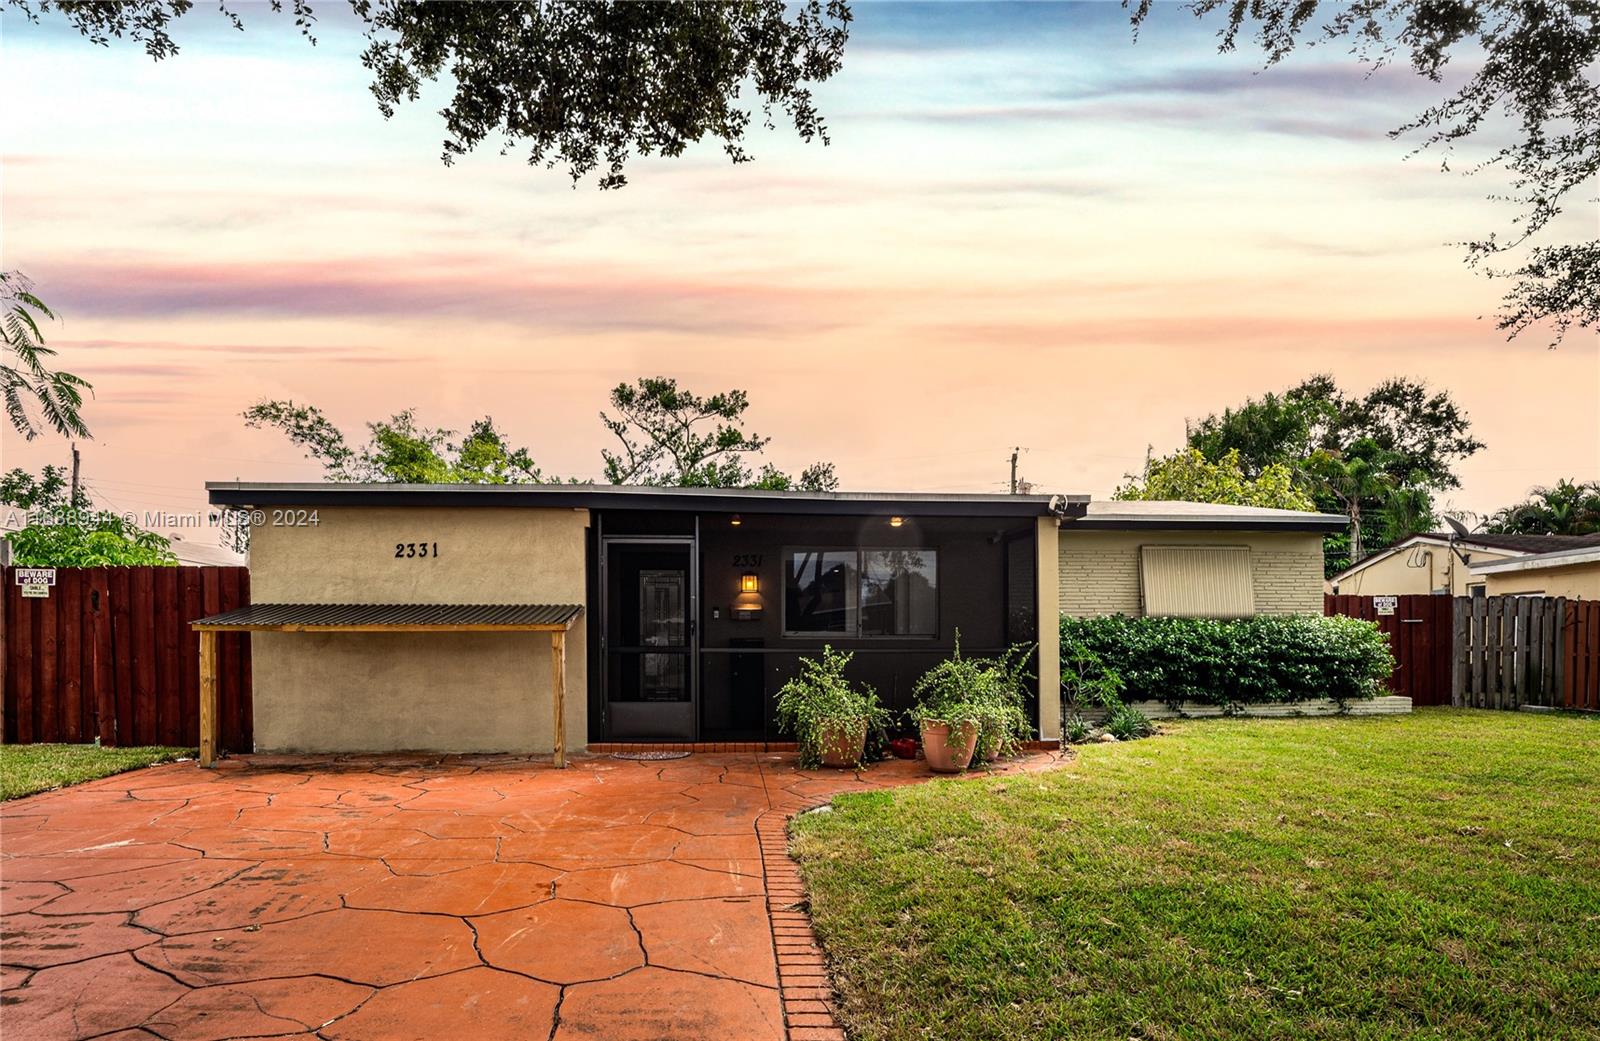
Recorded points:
65,533
571,83
27,383
820,703
398,450
672,437
1188,476
988,691
1566,508
1267,659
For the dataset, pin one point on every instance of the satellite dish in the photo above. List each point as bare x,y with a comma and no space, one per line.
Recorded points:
1457,527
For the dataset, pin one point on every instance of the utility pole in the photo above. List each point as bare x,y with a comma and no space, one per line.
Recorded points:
1014,452
72,503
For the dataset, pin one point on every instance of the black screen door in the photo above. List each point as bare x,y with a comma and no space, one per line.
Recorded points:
649,640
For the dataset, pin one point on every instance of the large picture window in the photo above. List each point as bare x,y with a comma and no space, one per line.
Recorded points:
861,592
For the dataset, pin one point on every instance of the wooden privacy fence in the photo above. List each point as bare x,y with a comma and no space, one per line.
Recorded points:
109,654
1512,651
1418,628
1487,652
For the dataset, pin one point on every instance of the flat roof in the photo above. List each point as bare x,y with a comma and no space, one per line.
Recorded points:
395,617
1539,561
638,497
1122,515
1076,511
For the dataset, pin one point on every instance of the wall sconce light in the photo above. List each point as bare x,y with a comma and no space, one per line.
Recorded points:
749,583
736,521
895,522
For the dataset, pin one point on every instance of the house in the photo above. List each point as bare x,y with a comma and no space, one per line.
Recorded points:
449,617
1572,573
1424,564
1186,558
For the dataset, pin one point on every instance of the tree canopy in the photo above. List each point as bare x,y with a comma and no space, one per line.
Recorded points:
570,83
671,436
1379,458
400,451
1564,508
1188,476
27,383
66,531
1422,433
1530,65
667,436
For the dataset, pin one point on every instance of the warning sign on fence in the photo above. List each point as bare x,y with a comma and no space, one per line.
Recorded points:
1385,604
36,581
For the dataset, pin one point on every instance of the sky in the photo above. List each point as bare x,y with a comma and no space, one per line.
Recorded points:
1028,231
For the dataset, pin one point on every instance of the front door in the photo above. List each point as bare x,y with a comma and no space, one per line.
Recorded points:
648,646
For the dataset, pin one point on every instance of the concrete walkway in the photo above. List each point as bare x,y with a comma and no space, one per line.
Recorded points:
417,897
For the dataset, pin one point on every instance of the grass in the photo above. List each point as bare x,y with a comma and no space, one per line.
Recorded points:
26,769
1427,876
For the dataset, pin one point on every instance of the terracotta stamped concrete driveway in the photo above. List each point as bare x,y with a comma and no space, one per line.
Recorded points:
406,897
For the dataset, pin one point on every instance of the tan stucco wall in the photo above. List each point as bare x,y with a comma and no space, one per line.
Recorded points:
1098,571
1580,581
458,692
1049,645
1439,572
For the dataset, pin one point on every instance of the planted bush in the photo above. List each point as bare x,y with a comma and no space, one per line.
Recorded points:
1247,661
982,693
829,716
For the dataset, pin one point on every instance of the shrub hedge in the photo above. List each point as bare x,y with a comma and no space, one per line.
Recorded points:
1238,662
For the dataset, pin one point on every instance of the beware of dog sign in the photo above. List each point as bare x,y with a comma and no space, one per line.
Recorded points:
36,581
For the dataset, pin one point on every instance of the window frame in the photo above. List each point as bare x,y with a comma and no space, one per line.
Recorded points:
854,633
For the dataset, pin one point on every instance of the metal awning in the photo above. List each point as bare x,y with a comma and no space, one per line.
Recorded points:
393,618
555,619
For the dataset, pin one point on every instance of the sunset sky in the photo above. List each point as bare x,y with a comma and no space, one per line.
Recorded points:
1028,231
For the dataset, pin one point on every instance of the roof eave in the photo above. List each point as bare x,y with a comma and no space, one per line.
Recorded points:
1312,523
602,497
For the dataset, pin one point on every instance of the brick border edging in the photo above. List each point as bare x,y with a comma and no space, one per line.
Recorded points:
803,985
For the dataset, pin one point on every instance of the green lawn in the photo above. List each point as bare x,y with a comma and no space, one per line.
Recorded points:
25,769
1427,876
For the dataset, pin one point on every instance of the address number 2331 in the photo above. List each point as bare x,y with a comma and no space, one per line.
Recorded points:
419,550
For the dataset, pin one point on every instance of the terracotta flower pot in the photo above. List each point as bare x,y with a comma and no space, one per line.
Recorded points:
844,745
990,744
947,752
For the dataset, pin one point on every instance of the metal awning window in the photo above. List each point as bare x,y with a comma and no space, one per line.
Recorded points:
554,619
1197,581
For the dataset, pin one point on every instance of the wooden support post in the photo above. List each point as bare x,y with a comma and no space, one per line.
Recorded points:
208,697
558,693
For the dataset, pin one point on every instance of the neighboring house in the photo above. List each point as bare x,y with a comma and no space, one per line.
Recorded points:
204,554
688,608
1424,564
1573,573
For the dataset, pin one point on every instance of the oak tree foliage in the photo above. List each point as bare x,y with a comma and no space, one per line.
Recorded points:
1532,82
581,85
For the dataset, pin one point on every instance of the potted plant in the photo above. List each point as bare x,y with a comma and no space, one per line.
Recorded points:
949,736
1001,692
828,717
949,710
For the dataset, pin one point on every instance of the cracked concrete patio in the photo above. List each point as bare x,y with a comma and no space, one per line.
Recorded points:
414,896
